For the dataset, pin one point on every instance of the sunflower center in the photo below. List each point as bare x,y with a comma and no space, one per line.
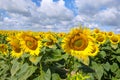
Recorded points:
31,43
16,47
100,39
79,42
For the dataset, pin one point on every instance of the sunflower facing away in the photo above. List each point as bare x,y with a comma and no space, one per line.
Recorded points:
30,43
79,43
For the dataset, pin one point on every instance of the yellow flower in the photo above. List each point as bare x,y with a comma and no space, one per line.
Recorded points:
78,43
3,49
30,43
94,50
101,38
110,34
114,39
118,36
96,31
16,47
61,35
50,39
16,50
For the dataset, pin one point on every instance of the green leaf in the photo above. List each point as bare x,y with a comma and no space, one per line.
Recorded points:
113,78
23,69
118,58
48,75
103,54
44,75
55,55
118,51
98,69
117,74
106,66
114,46
35,59
55,76
28,73
37,78
106,48
15,67
114,67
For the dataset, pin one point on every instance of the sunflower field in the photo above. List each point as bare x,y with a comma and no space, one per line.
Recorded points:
80,54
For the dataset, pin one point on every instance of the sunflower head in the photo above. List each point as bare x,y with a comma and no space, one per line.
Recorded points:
96,31
78,43
50,39
101,38
61,35
16,46
114,39
3,49
30,42
94,50
110,34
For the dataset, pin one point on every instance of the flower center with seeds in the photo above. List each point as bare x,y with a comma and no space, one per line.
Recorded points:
31,42
100,39
16,47
79,42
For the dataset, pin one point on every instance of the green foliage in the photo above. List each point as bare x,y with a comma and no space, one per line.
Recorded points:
54,64
106,63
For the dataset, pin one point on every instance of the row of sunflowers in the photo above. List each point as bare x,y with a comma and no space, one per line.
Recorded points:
80,54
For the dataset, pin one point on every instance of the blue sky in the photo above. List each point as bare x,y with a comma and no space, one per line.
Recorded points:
59,15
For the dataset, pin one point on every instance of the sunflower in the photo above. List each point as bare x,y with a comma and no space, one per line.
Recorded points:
101,38
50,39
96,31
61,34
78,43
114,39
110,34
16,47
16,50
94,50
30,43
3,49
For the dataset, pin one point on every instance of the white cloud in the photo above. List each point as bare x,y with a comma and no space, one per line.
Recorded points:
25,14
110,16
100,13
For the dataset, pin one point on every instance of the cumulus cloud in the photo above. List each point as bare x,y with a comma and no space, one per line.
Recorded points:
56,16
103,13
110,17
25,14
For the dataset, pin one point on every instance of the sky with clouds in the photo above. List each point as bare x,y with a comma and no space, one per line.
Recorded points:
59,15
